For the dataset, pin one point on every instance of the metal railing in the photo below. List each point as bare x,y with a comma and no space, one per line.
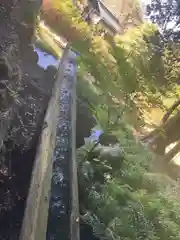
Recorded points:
52,204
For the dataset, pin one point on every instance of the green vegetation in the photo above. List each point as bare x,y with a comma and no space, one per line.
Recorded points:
46,42
121,199
122,78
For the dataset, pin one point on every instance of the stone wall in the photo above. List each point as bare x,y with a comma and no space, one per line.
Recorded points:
22,96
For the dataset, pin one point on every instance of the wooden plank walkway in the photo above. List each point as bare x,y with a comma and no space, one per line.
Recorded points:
54,176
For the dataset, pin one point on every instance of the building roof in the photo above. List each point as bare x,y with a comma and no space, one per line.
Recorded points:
106,15
103,7
109,18
118,12
125,10
114,6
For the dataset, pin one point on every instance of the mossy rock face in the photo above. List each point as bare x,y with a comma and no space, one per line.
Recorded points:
29,10
35,95
13,44
10,69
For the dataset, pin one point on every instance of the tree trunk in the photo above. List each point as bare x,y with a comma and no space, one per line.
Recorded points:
163,121
172,152
170,111
167,133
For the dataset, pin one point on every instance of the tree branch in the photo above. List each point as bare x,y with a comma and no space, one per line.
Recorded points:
170,111
172,152
163,121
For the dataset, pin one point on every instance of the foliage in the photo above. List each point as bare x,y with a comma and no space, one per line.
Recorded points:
121,200
64,18
121,66
45,41
118,196
134,64
172,64
167,15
